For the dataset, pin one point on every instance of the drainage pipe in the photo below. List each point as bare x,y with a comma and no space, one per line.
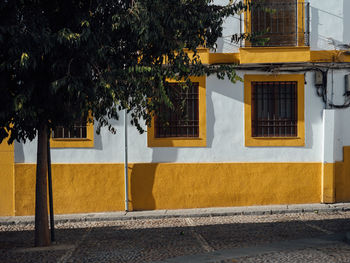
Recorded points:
126,179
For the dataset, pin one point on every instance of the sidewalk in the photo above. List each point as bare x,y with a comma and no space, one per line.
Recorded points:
309,233
181,213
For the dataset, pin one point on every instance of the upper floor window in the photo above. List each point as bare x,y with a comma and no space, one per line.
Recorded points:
278,23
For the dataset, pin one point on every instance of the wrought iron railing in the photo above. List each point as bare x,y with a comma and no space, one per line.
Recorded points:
274,23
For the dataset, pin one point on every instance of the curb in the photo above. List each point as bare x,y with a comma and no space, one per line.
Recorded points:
185,213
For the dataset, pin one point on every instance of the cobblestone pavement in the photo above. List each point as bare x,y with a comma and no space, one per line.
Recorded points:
304,237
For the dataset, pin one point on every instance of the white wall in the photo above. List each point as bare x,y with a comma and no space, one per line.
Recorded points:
225,136
329,25
231,26
225,113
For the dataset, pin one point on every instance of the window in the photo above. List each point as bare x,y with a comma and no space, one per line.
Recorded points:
181,123
182,128
274,110
280,23
78,131
81,135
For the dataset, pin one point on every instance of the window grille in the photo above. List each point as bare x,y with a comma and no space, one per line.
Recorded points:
279,23
78,131
274,109
182,121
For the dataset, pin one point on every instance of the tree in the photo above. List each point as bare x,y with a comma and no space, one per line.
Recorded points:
63,59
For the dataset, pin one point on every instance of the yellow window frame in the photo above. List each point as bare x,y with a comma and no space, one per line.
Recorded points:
299,140
301,22
199,141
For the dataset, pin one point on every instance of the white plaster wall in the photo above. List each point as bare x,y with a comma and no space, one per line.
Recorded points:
225,136
336,89
329,23
336,124
231,26
329,135
342,136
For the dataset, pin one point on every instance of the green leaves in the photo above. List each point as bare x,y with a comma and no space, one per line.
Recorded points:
24,59
67,36
61,59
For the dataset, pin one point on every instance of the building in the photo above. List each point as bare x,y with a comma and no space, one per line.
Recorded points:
281,136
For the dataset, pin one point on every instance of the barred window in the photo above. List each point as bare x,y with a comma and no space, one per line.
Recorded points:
274,109
278,18
78,131
180,123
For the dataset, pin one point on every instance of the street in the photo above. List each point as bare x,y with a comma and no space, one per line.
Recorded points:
286,237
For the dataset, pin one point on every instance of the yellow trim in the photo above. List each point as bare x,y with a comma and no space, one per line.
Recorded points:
274,54
301,22
219,58
254,141
87,142
200,141
330,56
203,55
82,188
202,52
279,55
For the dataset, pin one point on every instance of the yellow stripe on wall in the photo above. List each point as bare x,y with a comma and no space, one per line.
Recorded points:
77,188
81,188
6,179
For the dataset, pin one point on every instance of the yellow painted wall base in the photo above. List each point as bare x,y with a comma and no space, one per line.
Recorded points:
77,188
342,178
81,188
328,183
6,179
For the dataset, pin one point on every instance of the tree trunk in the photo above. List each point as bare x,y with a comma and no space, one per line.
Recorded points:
42,234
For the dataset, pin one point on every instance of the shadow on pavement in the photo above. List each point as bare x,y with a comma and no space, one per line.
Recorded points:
156,239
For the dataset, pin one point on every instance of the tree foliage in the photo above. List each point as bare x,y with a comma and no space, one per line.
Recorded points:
63,59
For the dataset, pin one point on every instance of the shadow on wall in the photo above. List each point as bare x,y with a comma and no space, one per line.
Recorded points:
19,152
118,124
143,178
227,89
333,36
315,21
98,141
346,29
220,45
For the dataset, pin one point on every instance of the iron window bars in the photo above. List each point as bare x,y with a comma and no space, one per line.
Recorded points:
274,109
177,122
278,23
78,131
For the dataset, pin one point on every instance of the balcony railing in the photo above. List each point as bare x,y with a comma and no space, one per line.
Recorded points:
276,24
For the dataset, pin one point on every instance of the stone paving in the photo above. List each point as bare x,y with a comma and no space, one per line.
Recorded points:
292,237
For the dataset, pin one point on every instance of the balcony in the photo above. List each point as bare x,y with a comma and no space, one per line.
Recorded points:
277,24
